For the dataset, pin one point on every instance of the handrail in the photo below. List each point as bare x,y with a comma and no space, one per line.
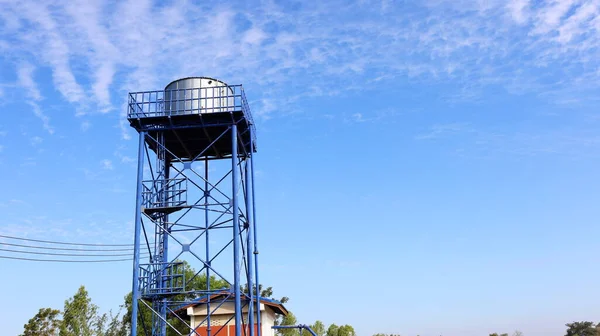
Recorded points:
190,101
299,326
164,193
144,104
154,280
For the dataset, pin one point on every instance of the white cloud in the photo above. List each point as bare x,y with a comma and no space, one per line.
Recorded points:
122,157
517,10
550,16
50,46
26,81
489,141
85,125
441,130
127,159
124,129
36,140
107,164
103,54
540,47
578,23
254,36
358,117
25,76
29,161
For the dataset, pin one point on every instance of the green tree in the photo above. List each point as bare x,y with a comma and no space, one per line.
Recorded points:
346,330
584,328
332,330
268,293
144,320
319,328
194,281
112,325
343,330
80,316
289,319
265,292
44,323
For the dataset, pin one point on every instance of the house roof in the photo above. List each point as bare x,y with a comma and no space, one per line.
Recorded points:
228,296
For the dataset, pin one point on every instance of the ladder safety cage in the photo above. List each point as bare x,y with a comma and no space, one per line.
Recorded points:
164,193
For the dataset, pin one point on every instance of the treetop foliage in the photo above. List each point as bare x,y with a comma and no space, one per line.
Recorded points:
81,317
584,328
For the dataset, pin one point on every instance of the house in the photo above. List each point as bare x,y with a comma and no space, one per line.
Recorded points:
222,321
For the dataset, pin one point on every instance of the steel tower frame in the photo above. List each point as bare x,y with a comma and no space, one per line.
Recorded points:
195,204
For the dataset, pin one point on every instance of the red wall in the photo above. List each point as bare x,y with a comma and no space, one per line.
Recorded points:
224,331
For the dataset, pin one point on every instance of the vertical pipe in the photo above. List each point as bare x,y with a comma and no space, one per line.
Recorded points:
206,194
249,246
136,240
258,320
236,231
165,237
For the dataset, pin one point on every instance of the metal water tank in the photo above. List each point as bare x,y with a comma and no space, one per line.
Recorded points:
193,95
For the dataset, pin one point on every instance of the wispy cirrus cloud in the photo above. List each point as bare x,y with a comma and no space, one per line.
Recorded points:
99,50
107,164
102,54
36,140
444,130
50,45
85,125
488,141
26,81
518,10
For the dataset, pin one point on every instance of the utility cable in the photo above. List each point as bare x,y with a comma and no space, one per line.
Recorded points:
68,249
68,254
62,243
66,261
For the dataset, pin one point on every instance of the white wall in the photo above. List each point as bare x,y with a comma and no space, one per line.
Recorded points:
223,313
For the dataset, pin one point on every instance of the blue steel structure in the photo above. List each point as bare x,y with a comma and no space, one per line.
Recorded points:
195,206
299,327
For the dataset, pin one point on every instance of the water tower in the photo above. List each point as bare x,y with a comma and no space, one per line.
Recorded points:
194,208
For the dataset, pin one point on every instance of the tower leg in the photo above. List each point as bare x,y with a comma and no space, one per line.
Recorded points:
136,243
206,233
165,242
257,297
249,219
236,231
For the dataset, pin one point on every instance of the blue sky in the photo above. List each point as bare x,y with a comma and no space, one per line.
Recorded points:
424,167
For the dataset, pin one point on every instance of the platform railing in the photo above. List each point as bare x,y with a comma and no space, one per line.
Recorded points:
164,193
161,278
146,104
190,101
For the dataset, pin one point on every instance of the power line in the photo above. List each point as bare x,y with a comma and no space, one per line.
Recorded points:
66,261
68,249
61,243
127,248
68,254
